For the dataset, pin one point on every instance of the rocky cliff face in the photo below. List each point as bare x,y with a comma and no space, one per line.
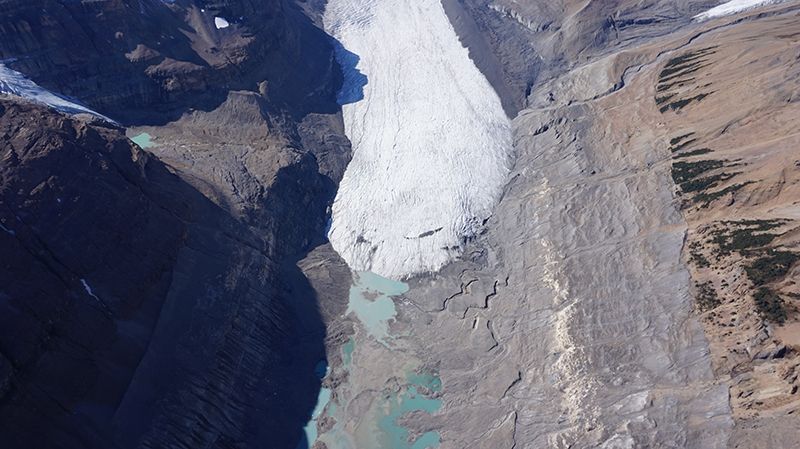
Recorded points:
151,298
718,125
130,300
520,45
635,286
147,60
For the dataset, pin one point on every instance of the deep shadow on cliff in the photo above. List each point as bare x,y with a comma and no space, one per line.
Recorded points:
153,299
147,62
137,313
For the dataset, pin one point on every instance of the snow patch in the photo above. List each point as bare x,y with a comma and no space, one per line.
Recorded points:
221,23
15,83
89,289
732,7
431,142
9,231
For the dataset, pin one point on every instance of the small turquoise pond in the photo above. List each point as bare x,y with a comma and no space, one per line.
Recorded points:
392,434
347,352
370,300
324,397
143,140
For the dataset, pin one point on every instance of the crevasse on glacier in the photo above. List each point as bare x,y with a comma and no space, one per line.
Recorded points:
431,142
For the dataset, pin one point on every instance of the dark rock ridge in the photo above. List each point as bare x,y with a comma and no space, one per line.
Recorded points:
153,299
520,45
146,61
133,308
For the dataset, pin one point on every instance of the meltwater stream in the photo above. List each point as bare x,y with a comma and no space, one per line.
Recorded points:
431,142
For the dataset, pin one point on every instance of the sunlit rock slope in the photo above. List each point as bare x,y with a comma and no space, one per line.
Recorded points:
636,286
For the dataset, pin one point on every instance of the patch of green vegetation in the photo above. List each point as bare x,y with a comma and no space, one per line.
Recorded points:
668,86
706,198
697,185
696,152
684,58
688,60
675,73
745,235
683,171
757,225
677,139
772,266
664,99
696,257
681,146
699,260
686,175
690,56
675,65
706,297
770,306
742,239
680,104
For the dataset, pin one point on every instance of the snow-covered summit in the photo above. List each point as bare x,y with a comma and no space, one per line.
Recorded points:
15,83
431,142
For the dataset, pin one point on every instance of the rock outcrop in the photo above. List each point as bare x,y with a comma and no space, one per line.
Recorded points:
152,298
147,61
136,312
578,318
634,287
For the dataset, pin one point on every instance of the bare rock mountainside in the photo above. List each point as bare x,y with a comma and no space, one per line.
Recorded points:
553,224
150,297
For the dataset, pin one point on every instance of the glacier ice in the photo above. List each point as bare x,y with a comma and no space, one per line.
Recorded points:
732,7
431,142
15,83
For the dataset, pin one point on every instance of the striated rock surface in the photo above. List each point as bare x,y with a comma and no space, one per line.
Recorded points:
635,287
728,102
522,45
154,298
578,319
130,300
148,61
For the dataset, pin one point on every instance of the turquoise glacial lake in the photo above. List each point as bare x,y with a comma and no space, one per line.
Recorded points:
371,301
143,140
324,397
391,434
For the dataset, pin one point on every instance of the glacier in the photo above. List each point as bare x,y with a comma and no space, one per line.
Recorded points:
732,7
15,83
431,143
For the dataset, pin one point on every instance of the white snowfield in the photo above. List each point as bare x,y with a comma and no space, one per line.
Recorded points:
431,142
732,7
221,23
15,83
